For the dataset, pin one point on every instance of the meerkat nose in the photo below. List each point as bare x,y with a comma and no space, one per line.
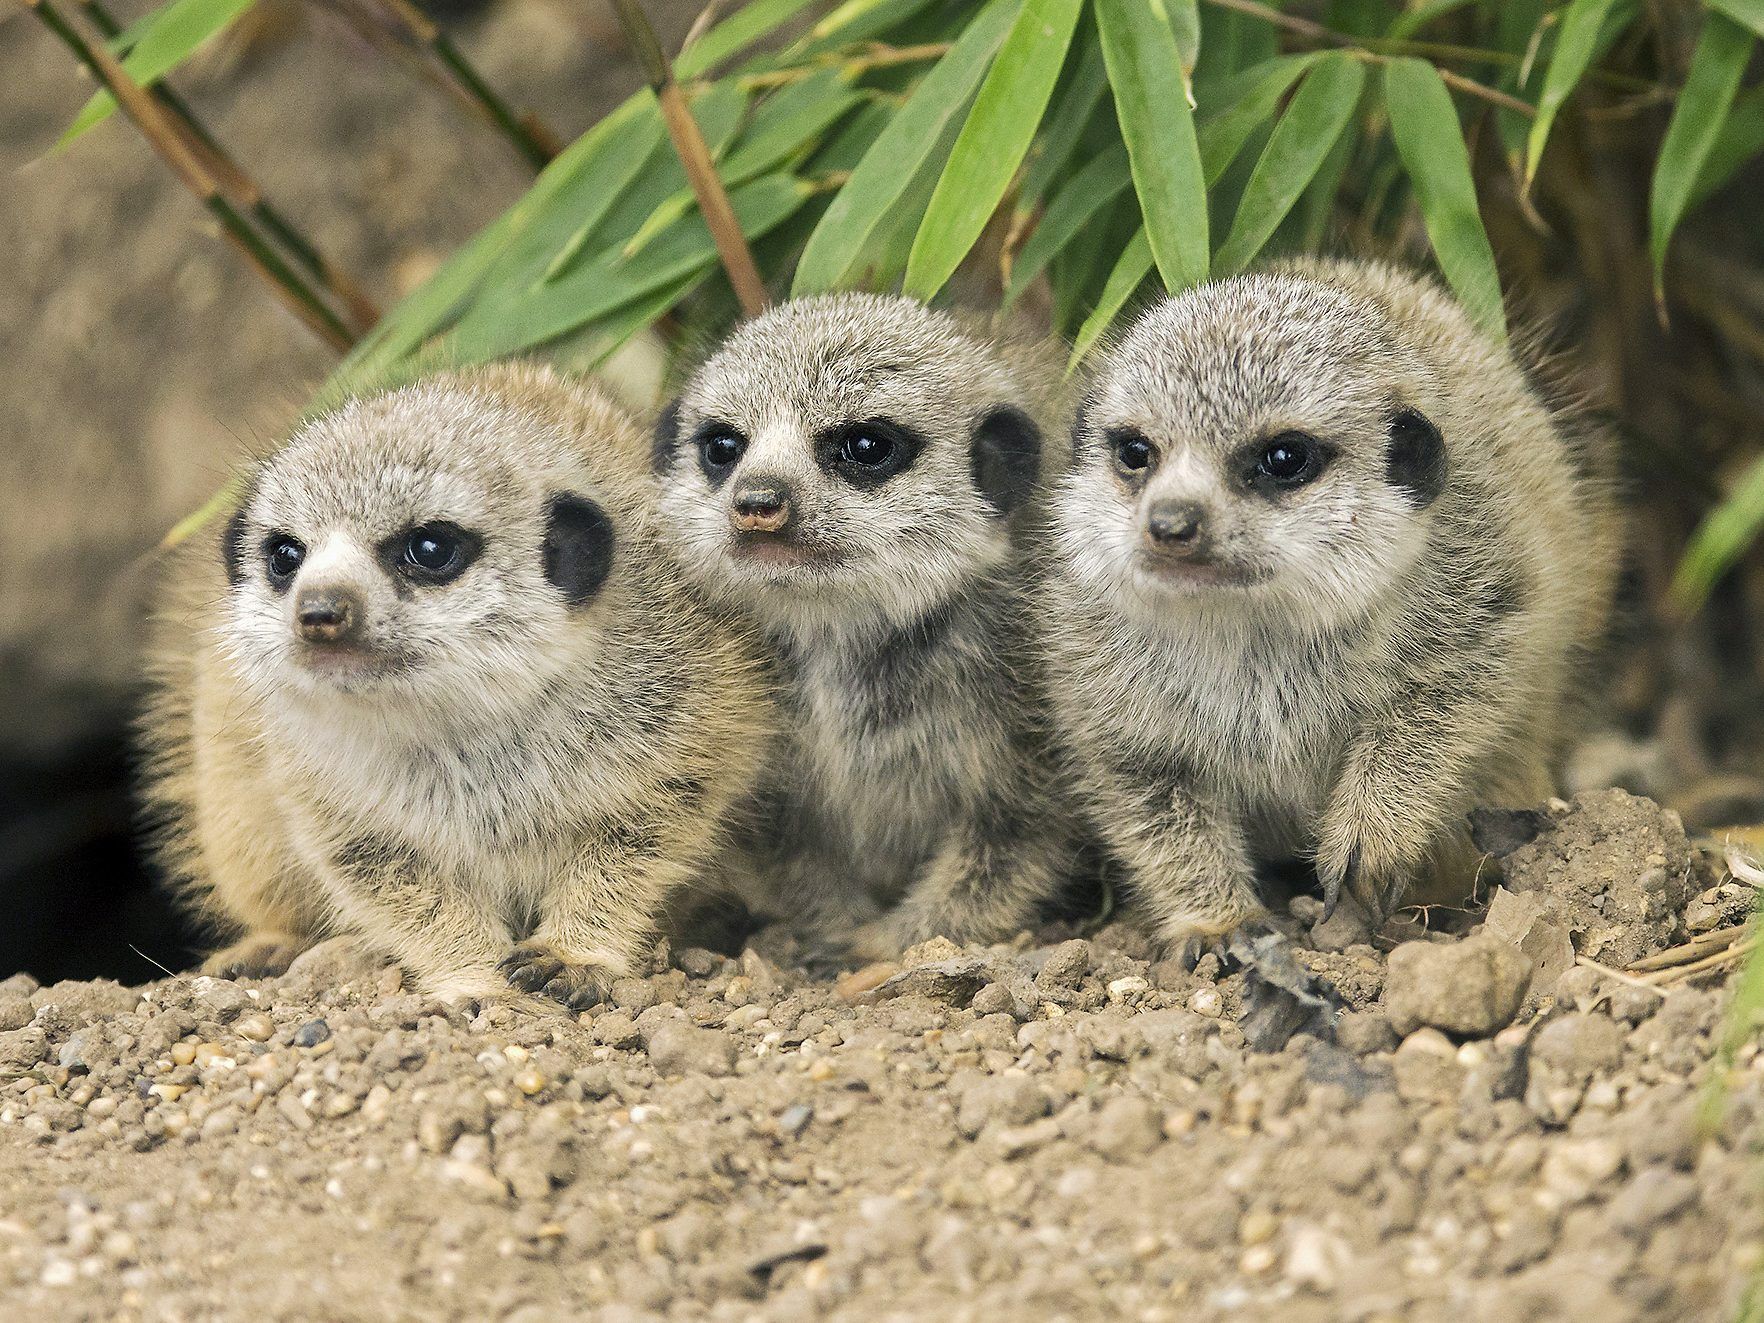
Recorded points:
762,507
1176,527
327,615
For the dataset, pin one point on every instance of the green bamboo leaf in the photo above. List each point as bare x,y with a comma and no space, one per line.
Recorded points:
434,303
1575,47
159,44
1747,13
853,22
612,202
1129,273
587,348
1233,41
1408,24
846,145
1320,110
1723,51
1742,138
605,284
889,167
993,141
742,28
1073,207
1063,127
1250,100
1722,539
1424,125
626,159
1185,25
785,123
1145,72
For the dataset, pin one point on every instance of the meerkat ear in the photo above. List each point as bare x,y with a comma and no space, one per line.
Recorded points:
578,547
666,437
233,548
1006,457
1416,459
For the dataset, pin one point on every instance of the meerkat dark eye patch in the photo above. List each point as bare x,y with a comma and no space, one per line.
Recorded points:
664,439
720,448
434,553
1006,458
868,453
1284,462
578,547
282,557
233,549
1416,460
1131,449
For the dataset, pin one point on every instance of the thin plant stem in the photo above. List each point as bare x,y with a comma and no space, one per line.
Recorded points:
529,135
163,136
695,158
245,192
1382,49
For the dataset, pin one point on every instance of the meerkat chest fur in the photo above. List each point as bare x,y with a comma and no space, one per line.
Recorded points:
896,728
1250,709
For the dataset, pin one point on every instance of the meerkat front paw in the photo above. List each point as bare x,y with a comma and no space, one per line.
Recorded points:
257,955
536,967
1187,939
1377,885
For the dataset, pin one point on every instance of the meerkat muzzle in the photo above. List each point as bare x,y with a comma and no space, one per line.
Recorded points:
1177,529
762,508
327,616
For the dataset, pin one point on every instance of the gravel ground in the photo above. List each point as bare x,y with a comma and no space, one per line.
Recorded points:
1057,1129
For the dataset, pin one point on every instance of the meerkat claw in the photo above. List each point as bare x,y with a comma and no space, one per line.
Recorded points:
535,968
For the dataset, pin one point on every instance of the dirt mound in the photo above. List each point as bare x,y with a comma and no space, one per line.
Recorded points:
1062,1130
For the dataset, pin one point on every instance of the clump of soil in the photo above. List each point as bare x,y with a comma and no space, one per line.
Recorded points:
1612,870
1054,1129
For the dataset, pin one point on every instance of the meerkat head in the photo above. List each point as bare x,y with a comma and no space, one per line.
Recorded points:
846,458
434,546
1267,439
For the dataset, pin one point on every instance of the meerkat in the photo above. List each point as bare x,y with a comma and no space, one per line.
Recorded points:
1321,574
438,687
852,471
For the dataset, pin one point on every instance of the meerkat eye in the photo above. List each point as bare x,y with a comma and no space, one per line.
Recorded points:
721,449
436,553
1290,460
1132,451
866,448
283,555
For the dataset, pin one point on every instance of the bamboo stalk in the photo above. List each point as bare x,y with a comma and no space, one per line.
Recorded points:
695,157
163,136
245,192
529,135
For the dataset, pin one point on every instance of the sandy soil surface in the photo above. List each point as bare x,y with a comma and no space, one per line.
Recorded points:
1469,1127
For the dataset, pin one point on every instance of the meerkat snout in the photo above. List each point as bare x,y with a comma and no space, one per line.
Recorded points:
327,614
1177,528
761,505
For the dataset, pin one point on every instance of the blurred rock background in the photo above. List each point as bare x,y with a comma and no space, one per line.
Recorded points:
142,359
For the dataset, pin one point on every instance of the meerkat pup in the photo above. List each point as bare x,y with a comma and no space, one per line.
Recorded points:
1321,574
437,687
851,470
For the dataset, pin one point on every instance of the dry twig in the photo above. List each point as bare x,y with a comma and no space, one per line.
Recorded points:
695,158
164,136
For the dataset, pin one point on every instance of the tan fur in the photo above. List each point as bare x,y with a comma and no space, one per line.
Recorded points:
1377,664
917,775
517,785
